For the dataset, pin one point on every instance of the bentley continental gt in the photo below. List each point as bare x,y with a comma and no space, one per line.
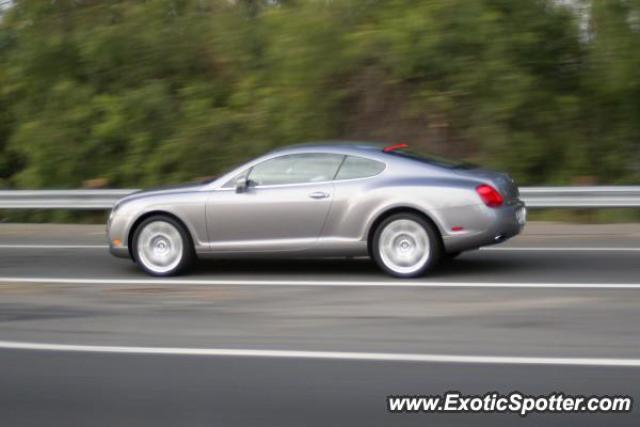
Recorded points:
404,210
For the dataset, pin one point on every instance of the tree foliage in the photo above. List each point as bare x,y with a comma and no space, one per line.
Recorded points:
156,91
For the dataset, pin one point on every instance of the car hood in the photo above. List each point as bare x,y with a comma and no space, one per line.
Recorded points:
159,191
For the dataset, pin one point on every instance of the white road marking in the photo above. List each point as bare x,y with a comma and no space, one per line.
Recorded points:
407,283
26,246
332,355
558,249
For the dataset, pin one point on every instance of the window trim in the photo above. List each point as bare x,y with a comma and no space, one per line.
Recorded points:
335,179
248,170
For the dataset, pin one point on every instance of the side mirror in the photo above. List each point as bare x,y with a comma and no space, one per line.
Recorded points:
242,184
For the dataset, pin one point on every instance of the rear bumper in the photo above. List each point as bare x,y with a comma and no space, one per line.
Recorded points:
503,223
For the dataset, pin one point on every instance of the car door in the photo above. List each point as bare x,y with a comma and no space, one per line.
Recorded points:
354,198
283,208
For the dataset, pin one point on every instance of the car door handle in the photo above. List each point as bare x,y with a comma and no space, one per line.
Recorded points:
319,195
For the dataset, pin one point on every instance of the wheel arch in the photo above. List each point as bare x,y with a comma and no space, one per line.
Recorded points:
144,216
396,210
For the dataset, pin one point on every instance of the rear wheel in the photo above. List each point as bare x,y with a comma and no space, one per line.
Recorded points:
406,245
162,246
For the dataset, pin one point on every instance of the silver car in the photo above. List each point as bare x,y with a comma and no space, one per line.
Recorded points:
404,210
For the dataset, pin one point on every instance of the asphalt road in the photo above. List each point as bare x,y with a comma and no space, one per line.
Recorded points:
296,306
124,390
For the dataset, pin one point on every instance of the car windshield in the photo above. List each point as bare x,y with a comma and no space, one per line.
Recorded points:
432,159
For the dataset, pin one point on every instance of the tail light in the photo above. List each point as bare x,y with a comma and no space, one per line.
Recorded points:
489,196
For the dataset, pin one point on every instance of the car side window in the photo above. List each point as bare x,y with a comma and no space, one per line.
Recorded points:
359,167
296,169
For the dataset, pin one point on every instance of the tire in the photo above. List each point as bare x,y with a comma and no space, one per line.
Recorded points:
406,245
161,246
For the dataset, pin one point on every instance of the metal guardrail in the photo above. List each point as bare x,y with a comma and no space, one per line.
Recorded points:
581,197
534,197
61,199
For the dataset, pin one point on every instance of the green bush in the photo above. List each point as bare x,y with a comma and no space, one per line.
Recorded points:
150,92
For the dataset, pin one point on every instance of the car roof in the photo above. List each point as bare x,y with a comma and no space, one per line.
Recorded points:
340,147
371,150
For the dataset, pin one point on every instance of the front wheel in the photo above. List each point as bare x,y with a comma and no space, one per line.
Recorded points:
162,247
406,245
